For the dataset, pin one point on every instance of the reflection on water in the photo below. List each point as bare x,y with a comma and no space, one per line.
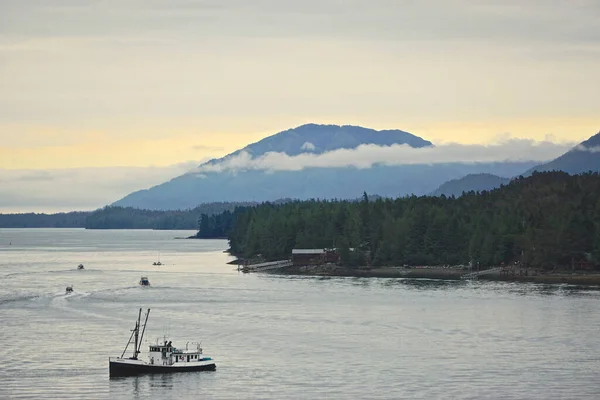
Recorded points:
280,336
161,380
141,385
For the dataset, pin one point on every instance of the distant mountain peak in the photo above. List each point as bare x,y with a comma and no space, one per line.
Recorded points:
317,139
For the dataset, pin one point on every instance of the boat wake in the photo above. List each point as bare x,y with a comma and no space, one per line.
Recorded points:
17,298
66,303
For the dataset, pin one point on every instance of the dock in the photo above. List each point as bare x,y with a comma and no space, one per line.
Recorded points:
476,274
267,266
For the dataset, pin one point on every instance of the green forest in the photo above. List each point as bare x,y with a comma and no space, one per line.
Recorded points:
545,220
112,217
75,219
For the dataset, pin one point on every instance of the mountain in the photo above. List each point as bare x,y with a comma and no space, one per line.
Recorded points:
581,159
472,182
189,190
319,139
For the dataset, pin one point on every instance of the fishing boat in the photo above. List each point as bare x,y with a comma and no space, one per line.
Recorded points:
162,357
157,262
69,289
144,281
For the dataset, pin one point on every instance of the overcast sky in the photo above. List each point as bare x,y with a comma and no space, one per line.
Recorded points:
140,83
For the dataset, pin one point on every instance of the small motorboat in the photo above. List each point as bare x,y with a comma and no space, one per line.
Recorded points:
162,357
144,281
69,289
80,266
156,263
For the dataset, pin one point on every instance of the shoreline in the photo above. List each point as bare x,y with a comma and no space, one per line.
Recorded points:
564,277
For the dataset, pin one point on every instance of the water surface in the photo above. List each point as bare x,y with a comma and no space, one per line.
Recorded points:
279,337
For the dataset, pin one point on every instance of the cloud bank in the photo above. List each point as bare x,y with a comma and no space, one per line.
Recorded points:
366,156
80,189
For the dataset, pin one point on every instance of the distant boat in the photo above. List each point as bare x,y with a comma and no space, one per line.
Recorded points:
80,266
162,358
144,281
157,262
69,289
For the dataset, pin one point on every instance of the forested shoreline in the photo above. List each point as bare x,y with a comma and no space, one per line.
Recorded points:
545,220
114,217
74,219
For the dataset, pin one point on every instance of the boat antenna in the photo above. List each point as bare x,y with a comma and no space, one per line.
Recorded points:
137,332
143,330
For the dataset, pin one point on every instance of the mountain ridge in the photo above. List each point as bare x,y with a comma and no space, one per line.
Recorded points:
471,182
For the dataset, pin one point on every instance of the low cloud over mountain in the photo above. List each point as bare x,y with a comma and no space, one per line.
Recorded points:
367,155
332,161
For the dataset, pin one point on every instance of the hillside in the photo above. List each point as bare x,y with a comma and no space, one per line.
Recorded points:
583,158
188,190
471,182
324,183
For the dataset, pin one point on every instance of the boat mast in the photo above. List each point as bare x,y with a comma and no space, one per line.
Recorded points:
143,330
134,331
137,332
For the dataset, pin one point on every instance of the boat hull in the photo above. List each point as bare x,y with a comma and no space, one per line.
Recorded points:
117,368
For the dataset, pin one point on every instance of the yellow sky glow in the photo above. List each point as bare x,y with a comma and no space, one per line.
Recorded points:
88,150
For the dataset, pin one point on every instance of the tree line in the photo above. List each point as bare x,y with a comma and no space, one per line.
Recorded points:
545,220
113,217
75,219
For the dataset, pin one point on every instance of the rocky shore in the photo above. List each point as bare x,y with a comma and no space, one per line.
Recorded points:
449,273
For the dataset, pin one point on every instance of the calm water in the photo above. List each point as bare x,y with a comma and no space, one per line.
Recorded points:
279,337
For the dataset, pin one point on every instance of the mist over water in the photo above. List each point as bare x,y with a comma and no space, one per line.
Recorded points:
278,336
